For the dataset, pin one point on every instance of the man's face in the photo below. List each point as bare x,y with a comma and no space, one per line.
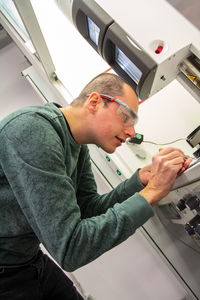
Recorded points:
111,131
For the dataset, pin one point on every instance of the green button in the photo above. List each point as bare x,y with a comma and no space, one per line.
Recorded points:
138,136
119,173
107,158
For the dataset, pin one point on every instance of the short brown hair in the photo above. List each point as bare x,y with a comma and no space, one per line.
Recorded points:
104,83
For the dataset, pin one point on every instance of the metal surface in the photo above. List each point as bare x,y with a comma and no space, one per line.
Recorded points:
190,68
156,32
5,39
29,19
189,86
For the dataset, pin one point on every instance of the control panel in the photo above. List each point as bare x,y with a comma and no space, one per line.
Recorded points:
182,206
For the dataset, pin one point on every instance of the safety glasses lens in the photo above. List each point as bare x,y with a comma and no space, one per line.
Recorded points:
127,117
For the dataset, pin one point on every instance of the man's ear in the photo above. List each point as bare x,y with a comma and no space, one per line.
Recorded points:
93,102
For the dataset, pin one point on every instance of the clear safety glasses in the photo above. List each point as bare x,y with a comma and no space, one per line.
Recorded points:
128,116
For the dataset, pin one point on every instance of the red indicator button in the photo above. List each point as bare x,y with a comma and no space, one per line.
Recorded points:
159,50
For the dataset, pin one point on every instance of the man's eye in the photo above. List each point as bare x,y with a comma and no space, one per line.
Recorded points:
125,118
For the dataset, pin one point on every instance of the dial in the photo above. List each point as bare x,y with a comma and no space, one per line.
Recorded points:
192,203
189,229
180,205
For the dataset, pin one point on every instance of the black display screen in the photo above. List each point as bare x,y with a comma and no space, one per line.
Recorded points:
93,31
127,65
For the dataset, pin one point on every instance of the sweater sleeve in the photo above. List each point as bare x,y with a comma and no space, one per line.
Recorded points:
33,162
91,203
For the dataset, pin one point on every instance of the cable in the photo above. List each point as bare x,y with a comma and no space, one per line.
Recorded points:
181,139
172,232
165,143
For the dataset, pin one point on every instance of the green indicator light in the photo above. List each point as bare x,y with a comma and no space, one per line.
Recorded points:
107,158
138,136
97,146
119,173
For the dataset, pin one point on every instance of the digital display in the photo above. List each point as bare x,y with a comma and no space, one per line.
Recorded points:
93,30
127,65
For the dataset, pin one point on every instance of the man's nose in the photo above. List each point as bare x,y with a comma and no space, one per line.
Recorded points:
130,131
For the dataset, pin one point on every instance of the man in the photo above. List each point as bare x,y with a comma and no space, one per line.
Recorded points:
48,193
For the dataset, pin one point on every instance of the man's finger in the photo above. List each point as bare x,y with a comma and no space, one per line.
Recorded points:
165,151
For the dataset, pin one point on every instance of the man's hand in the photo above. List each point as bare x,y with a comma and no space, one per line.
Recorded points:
159,177
144,174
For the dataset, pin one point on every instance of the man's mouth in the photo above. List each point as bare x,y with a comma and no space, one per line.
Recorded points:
120,139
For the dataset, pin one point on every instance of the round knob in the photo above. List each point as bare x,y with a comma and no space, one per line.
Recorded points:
194,221
192,224
192,203
189,229
180,205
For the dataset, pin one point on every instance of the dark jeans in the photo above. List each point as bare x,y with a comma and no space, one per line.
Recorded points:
43,279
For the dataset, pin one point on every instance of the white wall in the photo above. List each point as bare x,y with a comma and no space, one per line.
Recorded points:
15,91
169,115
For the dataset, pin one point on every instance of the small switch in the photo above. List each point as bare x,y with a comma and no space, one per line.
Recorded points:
138,139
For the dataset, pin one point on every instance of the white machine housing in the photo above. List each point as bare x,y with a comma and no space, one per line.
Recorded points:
138,38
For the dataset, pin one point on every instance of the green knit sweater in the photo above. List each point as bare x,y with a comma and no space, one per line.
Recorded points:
48,194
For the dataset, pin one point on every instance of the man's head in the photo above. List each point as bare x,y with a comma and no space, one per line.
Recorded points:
102,122
105,83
